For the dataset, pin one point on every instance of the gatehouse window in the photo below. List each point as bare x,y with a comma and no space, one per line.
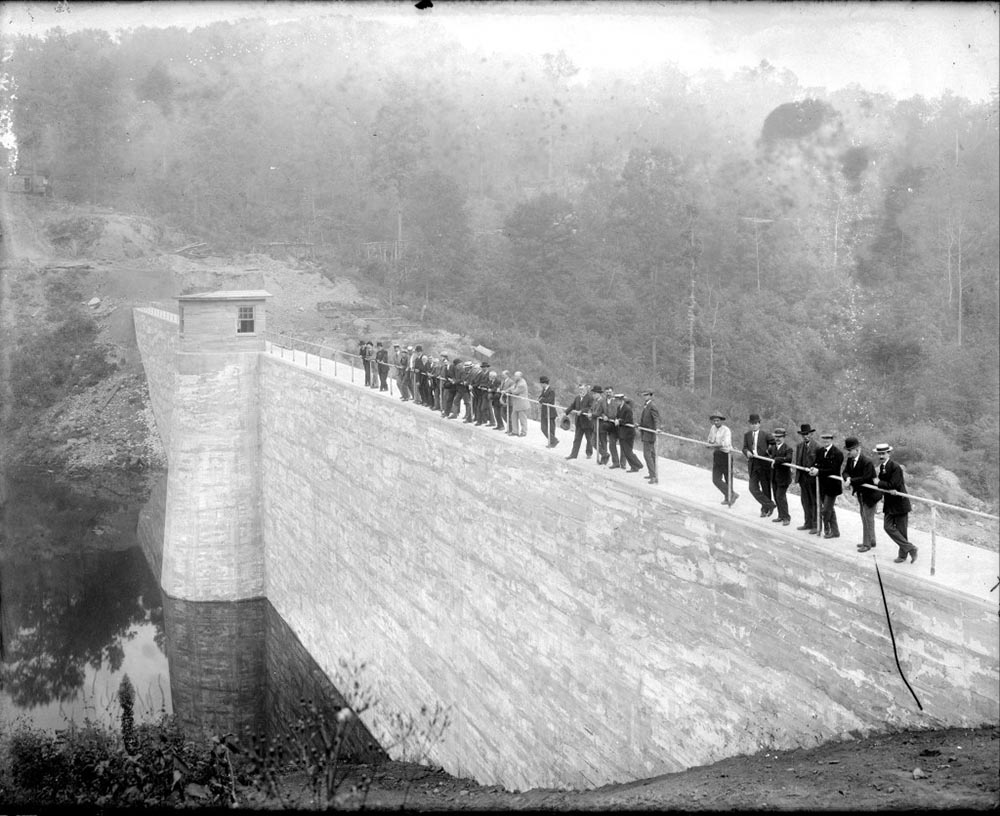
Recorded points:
244,323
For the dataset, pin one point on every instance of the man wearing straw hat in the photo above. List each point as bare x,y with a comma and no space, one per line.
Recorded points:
828,465
720,438
895,509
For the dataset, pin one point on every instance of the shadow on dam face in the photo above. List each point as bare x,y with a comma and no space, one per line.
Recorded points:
237,668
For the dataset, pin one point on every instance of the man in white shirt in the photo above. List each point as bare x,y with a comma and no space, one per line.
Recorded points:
720,438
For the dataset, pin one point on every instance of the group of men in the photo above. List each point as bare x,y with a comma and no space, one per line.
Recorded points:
821,471
605,420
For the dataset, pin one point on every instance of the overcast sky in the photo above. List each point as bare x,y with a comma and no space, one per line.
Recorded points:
900,48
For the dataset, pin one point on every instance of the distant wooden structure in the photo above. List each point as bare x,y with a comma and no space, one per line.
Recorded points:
384,251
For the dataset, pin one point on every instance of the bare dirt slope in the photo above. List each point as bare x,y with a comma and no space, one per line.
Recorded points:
118,261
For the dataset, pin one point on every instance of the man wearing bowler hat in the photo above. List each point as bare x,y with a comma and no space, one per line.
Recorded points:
858,472
781,474
720,439
805,457
828,465
895,509
755,443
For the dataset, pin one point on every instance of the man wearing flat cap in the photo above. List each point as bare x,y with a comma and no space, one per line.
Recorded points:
755,444
781,474
895,509
720,439
805,458
858,472
649,424
828,465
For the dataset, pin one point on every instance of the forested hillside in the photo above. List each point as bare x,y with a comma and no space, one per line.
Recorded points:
739,243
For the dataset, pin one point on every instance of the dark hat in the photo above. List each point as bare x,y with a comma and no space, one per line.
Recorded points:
805,428
826,435
484,364
596,389
882,447
778,432
564,423
646,393
543,379
717,415
851,442
754,417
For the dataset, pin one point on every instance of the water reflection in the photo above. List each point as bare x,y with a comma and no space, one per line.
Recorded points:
80,606
79,582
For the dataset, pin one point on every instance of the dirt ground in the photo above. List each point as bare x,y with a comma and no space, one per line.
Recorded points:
924,770
106,434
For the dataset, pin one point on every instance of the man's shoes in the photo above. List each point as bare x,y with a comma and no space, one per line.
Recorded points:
775,521
815,532
634,470
732,501
765,513
555,442
654,480
786,522
615,467
725,501
804,527
913,555
899,560
831,535
862,548
571,456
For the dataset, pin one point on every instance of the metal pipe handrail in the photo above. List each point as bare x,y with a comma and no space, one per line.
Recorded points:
658,432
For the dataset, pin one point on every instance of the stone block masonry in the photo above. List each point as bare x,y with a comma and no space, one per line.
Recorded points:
581,629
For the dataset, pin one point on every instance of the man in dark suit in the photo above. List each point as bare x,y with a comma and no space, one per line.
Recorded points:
858,472
756,443
895,509
829,463
580,408
547,402
805,457
781,475
605,412
382,360
625,421
649,424
448,386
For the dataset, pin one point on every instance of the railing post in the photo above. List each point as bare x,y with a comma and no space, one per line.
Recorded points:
729,478
933,537
819,520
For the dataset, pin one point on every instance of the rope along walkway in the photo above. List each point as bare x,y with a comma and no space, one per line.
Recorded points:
350,366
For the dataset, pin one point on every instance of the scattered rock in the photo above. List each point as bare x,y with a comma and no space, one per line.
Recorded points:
919,774
94,301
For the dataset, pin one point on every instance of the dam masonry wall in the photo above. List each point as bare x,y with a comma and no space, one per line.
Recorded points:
579,629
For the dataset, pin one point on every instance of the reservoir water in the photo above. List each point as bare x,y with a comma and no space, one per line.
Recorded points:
81,607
